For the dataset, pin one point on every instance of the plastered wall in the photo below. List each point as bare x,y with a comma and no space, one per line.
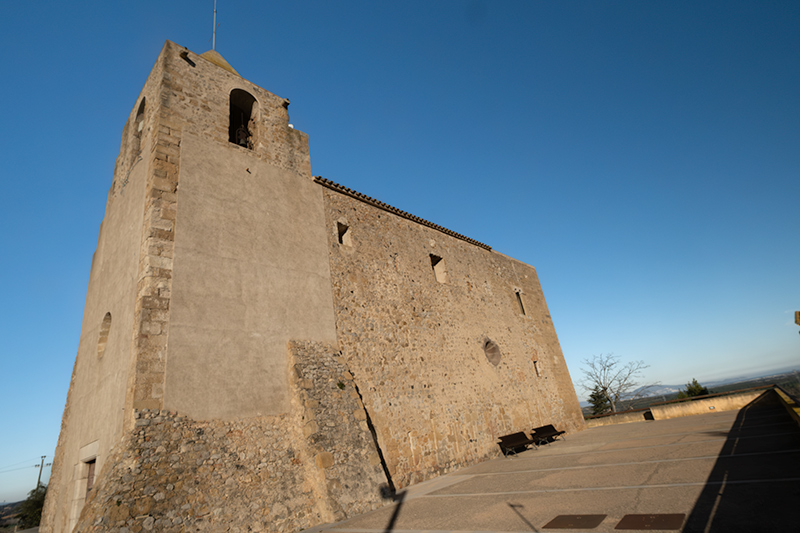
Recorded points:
250,274
195,204
93,421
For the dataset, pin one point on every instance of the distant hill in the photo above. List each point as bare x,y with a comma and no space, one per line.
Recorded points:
780,374
8,514
789,380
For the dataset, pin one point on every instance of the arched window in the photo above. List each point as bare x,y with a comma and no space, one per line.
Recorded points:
138,123
241,124
135,143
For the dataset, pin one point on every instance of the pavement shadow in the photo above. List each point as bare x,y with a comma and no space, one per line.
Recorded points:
398,499
746,492
715,433
515,507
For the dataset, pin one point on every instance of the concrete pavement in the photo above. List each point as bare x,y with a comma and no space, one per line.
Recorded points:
730,471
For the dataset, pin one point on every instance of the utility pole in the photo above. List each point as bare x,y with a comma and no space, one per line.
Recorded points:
41,466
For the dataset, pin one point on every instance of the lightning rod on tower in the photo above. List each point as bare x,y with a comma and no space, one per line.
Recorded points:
214,30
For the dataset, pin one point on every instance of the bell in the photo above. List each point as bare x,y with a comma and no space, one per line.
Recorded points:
242,135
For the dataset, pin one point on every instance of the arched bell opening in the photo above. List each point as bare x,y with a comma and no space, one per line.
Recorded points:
241,125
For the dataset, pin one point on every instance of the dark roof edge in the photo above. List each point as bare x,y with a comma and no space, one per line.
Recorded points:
386,207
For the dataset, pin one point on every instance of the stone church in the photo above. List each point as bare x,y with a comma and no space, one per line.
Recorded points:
265,350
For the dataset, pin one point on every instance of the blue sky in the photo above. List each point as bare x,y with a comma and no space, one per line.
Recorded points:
643,156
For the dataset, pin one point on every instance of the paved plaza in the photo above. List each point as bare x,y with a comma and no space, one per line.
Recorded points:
721,472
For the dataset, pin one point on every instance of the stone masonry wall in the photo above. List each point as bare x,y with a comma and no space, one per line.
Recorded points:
146,382
314,465
414,341
178,474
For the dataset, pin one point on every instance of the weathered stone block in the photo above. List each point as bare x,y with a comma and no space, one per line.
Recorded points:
310,428
324,460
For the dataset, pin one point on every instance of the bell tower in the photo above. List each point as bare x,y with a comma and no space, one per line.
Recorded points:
212,257
233,224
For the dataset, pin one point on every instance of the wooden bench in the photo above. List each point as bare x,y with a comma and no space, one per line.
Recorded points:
511,443
545,434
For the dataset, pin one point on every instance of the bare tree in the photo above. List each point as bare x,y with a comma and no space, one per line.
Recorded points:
606,374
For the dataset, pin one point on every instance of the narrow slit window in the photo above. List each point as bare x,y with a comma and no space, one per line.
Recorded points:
343,232
241,123
518,294
536,368
102,340
439,268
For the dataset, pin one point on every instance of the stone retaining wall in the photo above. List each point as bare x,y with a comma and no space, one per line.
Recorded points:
618,418
701,406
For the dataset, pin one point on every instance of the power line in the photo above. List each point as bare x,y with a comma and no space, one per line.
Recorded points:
18,463
40,466
20,468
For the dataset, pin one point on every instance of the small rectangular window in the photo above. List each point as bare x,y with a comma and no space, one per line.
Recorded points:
439,268
519,301
90,475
